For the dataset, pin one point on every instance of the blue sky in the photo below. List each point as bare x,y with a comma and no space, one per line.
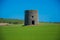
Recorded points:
48,10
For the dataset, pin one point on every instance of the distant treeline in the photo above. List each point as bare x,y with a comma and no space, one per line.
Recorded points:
11,21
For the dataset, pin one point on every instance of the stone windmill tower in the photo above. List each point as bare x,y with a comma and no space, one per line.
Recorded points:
31,17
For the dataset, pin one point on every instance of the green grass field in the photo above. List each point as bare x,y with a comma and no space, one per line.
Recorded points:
44,31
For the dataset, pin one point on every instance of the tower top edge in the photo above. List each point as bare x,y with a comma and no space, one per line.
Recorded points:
31,10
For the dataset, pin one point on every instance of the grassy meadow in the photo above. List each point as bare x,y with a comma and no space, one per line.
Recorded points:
43,31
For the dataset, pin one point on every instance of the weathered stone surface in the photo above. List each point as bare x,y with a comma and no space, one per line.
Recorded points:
31,17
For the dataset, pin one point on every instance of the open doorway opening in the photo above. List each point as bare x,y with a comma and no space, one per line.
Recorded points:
33,22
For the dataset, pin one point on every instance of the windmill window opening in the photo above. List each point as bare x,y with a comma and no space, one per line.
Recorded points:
32,16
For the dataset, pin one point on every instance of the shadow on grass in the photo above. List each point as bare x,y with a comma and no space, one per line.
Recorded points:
1,34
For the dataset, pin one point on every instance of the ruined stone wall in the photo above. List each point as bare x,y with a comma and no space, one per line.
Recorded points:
31,15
